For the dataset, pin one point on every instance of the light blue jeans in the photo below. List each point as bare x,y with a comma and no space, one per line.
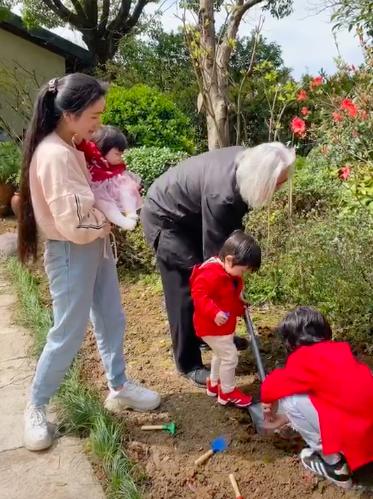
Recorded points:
83,283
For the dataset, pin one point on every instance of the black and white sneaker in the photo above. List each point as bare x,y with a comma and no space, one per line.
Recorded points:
337,473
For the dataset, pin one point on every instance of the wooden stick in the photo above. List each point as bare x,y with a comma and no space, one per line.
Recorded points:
235,486
204,457
152,427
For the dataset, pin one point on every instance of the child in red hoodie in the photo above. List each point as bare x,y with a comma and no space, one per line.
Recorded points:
326,394
217,292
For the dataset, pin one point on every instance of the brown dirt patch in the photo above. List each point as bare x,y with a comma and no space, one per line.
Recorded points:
8,224
265,468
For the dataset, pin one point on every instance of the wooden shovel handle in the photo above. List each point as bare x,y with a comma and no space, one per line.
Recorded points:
235,486
204,457
152,427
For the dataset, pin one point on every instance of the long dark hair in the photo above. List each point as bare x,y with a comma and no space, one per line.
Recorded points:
72,93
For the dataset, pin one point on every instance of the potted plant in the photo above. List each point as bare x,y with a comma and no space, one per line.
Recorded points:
16,198
10,163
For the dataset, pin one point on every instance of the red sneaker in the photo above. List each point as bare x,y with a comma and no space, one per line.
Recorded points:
212,390
235,397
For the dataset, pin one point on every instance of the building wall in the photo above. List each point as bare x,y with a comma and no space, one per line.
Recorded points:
24,66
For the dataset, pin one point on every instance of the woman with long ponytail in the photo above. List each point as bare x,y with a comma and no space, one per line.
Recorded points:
57,205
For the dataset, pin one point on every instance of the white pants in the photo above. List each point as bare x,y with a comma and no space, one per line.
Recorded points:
304,419
224,360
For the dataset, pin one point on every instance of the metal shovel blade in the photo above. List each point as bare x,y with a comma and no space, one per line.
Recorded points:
257,417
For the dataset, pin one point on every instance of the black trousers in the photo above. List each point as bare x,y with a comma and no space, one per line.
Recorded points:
186,345
177,250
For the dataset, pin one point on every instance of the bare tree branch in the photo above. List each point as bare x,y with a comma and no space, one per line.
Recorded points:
117,24
65,14
225,47
258,29
91,11
136,13
104,16
79,8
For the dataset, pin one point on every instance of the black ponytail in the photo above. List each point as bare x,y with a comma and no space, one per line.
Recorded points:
72,93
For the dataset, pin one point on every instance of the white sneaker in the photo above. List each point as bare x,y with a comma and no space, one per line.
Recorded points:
36,434
132,396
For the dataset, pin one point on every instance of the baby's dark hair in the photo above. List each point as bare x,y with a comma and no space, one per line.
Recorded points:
109,137
244,249
304,326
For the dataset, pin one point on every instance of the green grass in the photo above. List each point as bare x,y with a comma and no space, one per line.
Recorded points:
32,314
80,409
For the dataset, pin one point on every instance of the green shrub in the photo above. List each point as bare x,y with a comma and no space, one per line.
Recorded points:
134,253
327,263
149,118
150,162
10,162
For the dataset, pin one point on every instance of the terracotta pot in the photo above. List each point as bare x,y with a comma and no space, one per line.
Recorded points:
15,203
6,193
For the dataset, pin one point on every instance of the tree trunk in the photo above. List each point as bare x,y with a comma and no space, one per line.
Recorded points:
102,48
217,123
214,87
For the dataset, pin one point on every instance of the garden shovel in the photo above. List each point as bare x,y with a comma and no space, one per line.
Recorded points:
167,427
219,444
255,410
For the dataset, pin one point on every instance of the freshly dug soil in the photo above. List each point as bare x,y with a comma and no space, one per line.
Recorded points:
265,467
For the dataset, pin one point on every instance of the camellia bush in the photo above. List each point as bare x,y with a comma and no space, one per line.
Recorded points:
340,125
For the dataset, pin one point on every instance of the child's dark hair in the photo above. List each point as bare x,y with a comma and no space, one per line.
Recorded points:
109,137
73,94
304,326
244,250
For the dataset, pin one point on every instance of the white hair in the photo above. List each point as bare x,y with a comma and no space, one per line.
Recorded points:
258,170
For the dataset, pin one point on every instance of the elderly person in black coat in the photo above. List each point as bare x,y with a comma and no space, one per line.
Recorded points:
189,212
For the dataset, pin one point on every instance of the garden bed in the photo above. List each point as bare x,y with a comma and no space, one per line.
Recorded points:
264,468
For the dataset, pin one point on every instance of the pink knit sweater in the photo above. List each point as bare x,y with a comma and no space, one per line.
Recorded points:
61,196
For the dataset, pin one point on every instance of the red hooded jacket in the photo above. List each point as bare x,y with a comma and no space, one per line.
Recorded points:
340,388
214,290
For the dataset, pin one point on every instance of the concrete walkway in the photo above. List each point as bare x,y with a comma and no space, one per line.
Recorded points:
63,472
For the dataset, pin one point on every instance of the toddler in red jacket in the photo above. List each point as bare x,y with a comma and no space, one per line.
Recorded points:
326,394
217,293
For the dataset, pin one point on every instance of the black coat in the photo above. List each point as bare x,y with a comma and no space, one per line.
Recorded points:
192,208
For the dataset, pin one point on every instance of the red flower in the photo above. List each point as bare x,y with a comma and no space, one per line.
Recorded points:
305,111
344,172
337,117
348,106
302,95
298,126
316,82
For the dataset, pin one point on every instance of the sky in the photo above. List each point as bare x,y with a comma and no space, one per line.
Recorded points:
305,36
